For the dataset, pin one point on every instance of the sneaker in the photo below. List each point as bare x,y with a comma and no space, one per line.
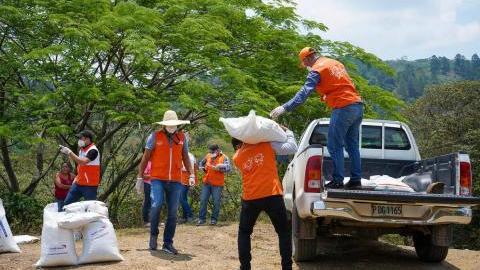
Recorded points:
190,220
152,245
355,184
168,248
182,220
334,185
201,222
213,222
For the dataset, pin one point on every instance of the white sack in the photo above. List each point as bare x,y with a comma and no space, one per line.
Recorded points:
82,206
99,209
387,183
74,221
25,239
58,247
99,243
7,242
254,129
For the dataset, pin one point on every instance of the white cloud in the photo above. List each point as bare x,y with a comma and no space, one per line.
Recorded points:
417,29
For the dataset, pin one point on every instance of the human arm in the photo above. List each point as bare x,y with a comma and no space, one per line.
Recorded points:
288,147
301,96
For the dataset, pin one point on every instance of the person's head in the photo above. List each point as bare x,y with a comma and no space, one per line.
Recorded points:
66,169
170,121
214,150
85,138
308,56
236,143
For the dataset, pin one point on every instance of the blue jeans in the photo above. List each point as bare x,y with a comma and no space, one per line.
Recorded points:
187,210
77,192
344,131
60,204
216,193
147,203
168,191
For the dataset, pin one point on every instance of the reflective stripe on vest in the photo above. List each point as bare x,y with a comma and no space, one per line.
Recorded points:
212,177
167,160
89,174
257,165
335,86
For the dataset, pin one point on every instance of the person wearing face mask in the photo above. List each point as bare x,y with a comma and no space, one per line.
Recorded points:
215,165
167,150
88,169
331,81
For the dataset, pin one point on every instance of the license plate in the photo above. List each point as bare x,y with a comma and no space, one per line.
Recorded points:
386,210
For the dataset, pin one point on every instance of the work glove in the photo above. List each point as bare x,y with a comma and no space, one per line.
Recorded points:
139,185
65,150
191,180
277,112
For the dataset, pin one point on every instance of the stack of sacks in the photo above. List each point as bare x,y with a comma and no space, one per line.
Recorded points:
254,129
7,242
99,239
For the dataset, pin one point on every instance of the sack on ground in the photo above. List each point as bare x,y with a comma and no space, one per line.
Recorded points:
254,129
57,245
82,206
73,221
7,242
99,243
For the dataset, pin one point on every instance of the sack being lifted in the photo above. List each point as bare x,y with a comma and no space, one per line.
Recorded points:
254,129
7,242
99,243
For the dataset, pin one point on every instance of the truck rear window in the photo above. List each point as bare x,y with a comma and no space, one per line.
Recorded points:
395,138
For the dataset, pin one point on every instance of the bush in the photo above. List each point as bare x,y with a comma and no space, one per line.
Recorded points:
24,213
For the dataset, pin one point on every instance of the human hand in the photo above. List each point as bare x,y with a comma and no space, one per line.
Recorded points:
275,113
65,150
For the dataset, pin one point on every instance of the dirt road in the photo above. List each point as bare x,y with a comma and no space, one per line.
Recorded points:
216,248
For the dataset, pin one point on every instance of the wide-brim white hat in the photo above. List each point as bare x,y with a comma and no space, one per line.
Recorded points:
170,118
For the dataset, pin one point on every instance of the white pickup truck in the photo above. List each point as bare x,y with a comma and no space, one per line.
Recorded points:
387,148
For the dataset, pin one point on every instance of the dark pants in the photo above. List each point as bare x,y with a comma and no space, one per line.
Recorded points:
77,192
275,209
60,204
343,131
147,203
187,210
169,192
216,192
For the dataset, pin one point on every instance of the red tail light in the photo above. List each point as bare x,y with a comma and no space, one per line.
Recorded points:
465,178
313,174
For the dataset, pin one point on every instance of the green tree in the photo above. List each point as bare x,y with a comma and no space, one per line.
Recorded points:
435,66
475,66
444,65
445,120
460,66
115,66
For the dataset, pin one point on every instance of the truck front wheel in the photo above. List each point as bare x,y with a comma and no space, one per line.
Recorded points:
302,249
427,251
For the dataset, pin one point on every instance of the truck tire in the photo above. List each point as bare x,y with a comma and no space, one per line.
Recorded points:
302,249
427,251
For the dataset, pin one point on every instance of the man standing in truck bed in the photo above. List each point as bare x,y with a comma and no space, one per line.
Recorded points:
331,81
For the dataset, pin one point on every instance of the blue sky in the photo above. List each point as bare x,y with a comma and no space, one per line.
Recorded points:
392,29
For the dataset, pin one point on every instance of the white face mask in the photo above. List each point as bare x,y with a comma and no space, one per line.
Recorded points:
171,129
309,68
81,143
214,155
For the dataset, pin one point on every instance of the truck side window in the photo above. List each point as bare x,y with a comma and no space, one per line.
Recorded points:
371,137
319,135
396,139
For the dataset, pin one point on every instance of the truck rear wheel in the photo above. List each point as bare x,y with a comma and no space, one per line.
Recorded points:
427,251
302,249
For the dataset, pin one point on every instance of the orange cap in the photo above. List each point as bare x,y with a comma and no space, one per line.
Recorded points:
305,52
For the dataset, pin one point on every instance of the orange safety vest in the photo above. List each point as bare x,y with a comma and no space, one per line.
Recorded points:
186,175
335,86
258,168
167,160
212,177
89,174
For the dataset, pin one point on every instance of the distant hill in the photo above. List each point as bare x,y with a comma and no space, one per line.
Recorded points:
413,76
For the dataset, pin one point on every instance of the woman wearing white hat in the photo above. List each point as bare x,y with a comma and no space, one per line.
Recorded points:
167,149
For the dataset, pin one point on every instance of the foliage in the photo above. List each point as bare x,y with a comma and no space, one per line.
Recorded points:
445,120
